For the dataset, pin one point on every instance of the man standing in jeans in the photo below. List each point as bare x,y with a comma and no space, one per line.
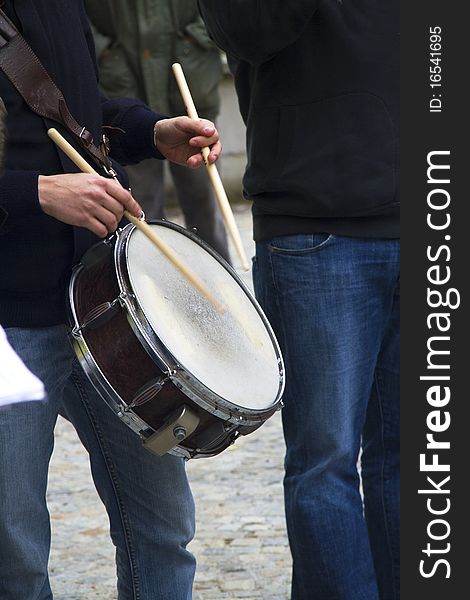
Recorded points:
53,214
318,89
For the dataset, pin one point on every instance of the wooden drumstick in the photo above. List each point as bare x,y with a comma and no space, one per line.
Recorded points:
193,279
212,170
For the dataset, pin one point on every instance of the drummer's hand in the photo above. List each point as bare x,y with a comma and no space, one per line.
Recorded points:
86,200
180,140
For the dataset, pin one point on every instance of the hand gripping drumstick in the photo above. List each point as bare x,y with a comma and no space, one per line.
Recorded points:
82,164
212,170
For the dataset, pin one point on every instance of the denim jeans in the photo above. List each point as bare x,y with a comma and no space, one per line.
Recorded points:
334,305
148,500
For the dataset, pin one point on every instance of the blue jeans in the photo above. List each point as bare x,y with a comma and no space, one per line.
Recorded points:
148,500
334,305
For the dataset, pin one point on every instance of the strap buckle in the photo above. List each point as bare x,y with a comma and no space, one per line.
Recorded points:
86,137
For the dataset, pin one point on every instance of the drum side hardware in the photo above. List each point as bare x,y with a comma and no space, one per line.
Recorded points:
178,426
101,314
217,445
148,392
128,417
210,440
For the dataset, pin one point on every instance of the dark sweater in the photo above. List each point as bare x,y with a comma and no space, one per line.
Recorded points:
317,82
37,252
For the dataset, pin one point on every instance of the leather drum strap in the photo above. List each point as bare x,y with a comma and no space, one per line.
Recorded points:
33,83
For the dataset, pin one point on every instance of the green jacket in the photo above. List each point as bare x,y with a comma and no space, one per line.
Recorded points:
138,40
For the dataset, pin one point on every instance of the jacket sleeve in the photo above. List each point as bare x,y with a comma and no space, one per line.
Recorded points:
129,125
256,30
19,194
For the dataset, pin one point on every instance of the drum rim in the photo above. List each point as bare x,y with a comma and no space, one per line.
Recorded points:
181,376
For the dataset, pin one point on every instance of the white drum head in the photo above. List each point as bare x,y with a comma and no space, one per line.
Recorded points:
232,354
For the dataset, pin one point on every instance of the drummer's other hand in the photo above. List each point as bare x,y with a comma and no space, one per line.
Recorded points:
180,139
86,200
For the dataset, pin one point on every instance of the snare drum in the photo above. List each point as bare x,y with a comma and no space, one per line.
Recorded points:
185,377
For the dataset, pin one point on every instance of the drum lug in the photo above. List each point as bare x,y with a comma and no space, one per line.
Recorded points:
180,424
147,392
98,316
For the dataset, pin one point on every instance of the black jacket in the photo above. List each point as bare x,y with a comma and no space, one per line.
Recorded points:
37,252
317,82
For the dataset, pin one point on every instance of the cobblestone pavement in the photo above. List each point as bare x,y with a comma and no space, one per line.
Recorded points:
240,544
